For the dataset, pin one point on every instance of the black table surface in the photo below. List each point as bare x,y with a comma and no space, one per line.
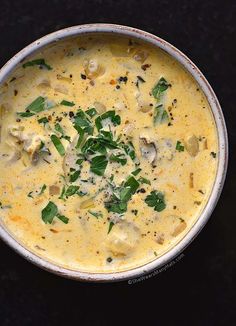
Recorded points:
198,290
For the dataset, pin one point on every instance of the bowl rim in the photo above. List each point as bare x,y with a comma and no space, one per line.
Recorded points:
222,159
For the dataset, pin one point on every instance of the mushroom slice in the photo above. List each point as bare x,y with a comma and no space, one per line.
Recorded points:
61,89
192,145
54,190
148,149
93,69
140,55
123,238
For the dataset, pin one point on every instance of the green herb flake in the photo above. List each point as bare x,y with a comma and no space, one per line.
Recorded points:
58,144
67,103
42,189
74,176
30,194
179,147
144,180
136,172
43,120
25,114
119,158
81,121
59,129
160,115
156,200
91,112
63,218
49,212
37,105
99,164
129,150
111,224
115,119
95,214
37,62
71,190
160,88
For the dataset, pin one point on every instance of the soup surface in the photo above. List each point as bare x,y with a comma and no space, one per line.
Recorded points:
108,153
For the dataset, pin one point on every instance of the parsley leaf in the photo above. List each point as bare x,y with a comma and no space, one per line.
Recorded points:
136,172
91,112
115,119
144,180
156,200
82,122
160,88
111,224
58,144
129,150
63,218
37,62
67,103
121,195
42,189
119,158
99,164
74,176
160,115
95,214
49,212
43,120
179,147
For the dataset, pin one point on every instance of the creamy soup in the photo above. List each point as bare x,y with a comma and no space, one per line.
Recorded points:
108,153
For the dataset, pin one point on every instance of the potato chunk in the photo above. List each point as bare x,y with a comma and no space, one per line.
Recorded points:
123,239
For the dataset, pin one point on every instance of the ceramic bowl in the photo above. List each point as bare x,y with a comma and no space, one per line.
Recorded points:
137,34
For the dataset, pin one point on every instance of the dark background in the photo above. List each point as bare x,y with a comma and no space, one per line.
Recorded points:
199,289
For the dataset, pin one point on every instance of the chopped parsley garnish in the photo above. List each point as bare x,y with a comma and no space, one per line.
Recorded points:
59,129
37,62
144,180
160,88
71,190
49,212
136,172
67,103
129,150
121,195
81,121
63,218
30,194
111,224
43,120
99,164
38,105
179,147
95,214
42,189
119,158
91,112
115,119
74,176
156,199
160,115
58,144
25,114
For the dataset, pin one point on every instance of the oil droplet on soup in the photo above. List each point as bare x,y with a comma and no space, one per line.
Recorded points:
108,153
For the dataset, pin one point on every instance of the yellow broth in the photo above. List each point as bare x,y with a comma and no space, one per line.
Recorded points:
63,176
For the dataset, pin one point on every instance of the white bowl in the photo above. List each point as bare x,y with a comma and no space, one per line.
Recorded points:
222,161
